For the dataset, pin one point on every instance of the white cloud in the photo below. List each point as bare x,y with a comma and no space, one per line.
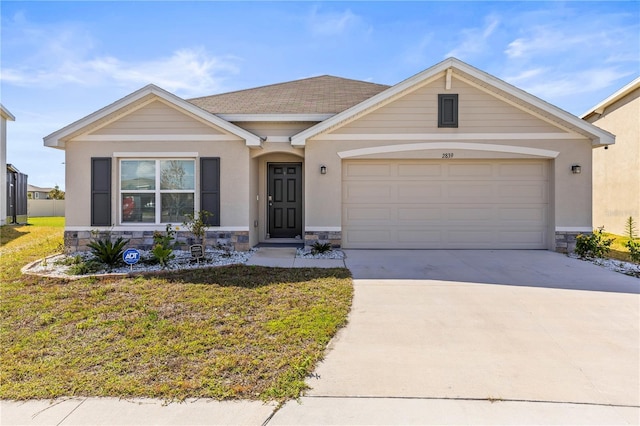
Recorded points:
335,23
475,40
187,71
66,54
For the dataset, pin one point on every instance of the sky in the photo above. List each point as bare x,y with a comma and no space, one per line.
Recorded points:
61,61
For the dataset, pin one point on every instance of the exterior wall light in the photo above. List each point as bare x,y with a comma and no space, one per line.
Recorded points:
323,169
576,169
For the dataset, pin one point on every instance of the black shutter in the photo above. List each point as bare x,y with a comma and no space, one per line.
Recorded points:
101,191
210,188
447,110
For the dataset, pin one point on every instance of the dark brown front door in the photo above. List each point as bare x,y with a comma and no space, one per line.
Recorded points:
285,200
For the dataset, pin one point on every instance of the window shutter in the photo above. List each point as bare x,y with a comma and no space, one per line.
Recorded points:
101,191
447,110
210,188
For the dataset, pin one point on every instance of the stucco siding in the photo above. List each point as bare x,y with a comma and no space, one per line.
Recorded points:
157,118
616,170
266,129
417,112
234,165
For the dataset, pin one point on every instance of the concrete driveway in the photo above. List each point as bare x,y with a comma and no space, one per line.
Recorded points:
518,327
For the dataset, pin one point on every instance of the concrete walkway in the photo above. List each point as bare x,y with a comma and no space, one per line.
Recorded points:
286,258
440,337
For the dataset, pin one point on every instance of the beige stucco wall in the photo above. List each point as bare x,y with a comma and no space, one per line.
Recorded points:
235,165
570,204
616,170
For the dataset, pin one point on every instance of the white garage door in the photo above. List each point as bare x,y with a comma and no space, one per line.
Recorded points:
474,204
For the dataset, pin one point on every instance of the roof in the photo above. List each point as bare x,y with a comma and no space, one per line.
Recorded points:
316,95
6,114
599,109
33,188
480,79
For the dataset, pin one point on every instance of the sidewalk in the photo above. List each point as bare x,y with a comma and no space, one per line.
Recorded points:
285,257
310,411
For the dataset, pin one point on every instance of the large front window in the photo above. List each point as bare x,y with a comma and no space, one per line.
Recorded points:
156,191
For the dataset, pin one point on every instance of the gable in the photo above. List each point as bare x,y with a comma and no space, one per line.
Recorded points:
448,71
417,112
157,118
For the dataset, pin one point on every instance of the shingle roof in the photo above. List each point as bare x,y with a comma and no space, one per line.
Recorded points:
317,95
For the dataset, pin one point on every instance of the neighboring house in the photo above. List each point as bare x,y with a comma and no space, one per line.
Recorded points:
38,193
451,158
616,170
16,196
5,116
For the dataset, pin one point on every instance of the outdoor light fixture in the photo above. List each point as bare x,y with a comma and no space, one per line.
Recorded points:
323,170
576,169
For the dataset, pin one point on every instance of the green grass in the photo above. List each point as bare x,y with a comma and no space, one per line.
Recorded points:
226,333
618,251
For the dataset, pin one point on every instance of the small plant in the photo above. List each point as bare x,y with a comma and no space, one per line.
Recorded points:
163,246
319,248
634,250
630,228
107,251
197,224
593,246
84,268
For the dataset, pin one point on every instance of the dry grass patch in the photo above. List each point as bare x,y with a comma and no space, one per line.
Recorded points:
225,333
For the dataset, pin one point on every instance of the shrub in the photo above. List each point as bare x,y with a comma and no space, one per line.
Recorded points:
163,246
197,224
83,268
319,248
107,251
594,245
634,250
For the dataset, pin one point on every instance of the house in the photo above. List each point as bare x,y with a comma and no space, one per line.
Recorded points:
450,158
38,193
616,169
5,116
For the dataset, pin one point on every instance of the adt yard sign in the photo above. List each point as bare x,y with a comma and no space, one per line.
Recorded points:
131,256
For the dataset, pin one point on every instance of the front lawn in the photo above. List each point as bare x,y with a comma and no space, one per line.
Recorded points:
226,333
618,249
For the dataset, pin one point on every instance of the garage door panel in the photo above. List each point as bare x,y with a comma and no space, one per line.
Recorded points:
367,192
469,191
355,170
470,170
418,192
419,214
528,171
368,213
475,204
418,170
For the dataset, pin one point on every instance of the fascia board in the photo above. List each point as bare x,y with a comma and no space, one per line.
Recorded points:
274,117
599,136
635,84
55,139
6,114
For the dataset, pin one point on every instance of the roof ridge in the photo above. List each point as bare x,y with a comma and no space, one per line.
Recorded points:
283,83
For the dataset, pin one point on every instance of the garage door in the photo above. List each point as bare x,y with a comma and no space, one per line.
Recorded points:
474,204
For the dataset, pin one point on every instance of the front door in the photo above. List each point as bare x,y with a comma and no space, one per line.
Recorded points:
285,200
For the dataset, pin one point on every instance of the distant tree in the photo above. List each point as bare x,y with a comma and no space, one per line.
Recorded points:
56,193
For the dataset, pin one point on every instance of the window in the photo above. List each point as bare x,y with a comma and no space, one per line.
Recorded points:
447,110
156,191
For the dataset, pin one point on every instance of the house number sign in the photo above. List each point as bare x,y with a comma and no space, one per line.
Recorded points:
447,155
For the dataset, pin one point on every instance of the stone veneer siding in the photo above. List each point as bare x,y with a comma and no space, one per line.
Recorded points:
566,241
332,237
75,241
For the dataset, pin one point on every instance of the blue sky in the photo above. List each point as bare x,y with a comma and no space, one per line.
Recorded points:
61,61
